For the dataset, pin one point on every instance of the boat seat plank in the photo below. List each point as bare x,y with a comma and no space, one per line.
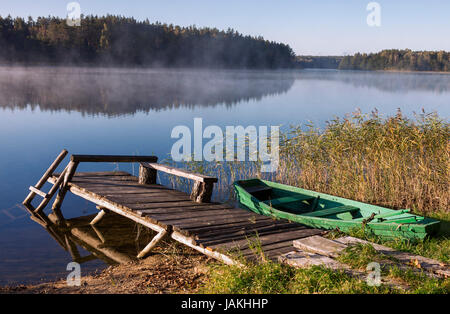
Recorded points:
289,199
332,211
258,189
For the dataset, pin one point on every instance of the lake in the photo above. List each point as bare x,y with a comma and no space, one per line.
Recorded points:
133,111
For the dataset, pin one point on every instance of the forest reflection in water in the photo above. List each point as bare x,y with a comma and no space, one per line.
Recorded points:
126,91
115,92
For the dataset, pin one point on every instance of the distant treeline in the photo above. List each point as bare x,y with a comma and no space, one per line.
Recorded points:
124,41
319,62
398,60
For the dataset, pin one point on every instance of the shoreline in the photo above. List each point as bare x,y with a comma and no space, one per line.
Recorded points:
158,274
146,68
380,71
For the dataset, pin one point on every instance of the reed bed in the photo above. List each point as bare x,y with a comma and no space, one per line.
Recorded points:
396,162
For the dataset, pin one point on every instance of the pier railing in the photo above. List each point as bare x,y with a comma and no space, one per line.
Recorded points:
201,191
203,186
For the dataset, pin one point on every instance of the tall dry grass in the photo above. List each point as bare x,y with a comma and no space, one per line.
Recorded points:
395,161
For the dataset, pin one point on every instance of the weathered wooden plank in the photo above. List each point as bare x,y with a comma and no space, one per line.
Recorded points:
125,181
273,238
147,199
406,258
276,253
125,190
119,186
320,245
201,223
147,208
205,222
101,173
194,230
305,260
39,192
226,236
173,207
128,192
238,227
267,247
274,234
205,214
211,215
228,226
112,158
180,172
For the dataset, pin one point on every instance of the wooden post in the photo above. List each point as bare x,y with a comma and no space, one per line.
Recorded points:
147,175
56,208
99,233
202,192
72,248
152,243
98,217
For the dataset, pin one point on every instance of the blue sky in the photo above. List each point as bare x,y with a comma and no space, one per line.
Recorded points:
322,27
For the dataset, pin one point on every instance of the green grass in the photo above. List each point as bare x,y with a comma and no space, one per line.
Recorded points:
360,255
267,277
270,277
437,247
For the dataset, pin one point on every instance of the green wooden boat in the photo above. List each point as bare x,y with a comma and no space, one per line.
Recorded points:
320,210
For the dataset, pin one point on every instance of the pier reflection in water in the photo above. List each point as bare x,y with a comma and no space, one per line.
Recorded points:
114,240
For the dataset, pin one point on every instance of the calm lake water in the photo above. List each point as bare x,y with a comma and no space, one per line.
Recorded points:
128,111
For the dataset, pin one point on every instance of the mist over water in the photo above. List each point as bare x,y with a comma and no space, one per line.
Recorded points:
133,111
116,92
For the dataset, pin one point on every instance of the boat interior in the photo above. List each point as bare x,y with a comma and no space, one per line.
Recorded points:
313,205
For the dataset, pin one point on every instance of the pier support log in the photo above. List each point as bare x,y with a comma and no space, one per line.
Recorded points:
147,175
152,243
56,208
202,192
99,217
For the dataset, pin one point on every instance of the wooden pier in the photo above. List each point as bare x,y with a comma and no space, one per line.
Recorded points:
214,229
